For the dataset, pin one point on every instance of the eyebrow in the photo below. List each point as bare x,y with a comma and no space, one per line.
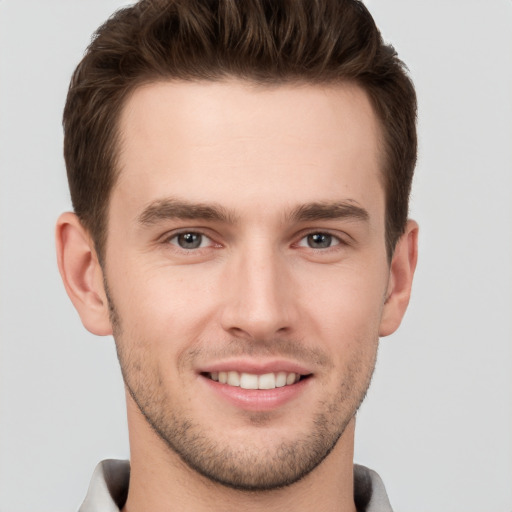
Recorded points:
326,211
163,209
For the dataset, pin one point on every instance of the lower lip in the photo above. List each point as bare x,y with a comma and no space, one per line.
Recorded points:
257,399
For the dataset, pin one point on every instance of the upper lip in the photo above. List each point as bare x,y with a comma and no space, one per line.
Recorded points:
257,367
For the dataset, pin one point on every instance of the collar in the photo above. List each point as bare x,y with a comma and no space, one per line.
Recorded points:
108,489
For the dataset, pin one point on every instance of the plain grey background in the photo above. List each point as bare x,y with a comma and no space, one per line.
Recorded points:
437,424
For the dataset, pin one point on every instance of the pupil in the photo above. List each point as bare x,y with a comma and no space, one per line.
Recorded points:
189,240
319,240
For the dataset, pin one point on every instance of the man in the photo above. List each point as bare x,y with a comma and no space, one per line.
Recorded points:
240,174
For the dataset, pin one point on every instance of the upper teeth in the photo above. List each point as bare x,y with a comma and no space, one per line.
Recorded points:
253,381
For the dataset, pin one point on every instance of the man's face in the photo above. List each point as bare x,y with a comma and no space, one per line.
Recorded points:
246,242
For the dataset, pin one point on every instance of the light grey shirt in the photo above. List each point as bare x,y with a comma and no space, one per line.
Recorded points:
109,488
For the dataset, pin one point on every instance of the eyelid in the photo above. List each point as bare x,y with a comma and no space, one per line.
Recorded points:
170,235
341,240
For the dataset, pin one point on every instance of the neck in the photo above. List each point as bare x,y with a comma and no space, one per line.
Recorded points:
160,481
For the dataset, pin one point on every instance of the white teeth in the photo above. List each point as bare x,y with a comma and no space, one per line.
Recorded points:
253,381
267,381
233,379
290,378
280,379
248,381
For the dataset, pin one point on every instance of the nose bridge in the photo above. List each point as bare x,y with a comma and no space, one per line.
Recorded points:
259,302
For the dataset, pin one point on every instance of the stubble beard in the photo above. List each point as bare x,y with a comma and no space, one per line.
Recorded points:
249,467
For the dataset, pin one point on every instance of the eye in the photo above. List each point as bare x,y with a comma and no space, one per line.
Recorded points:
319,241
190,240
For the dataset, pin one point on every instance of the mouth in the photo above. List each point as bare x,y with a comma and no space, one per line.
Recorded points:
257,386
265,381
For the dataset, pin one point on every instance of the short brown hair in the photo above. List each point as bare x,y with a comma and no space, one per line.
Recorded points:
263,41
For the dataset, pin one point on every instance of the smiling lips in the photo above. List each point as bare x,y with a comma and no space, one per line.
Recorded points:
253,381
255,387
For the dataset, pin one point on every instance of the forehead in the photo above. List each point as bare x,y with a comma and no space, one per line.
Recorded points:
234,141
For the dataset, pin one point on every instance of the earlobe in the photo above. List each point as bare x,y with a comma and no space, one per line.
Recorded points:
398,293
82,274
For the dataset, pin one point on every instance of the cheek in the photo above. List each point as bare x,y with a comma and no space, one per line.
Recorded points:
345,312
166,308
345,296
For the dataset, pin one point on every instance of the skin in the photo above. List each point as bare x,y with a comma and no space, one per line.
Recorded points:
255,172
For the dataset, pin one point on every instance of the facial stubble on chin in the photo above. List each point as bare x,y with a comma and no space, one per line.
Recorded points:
249,467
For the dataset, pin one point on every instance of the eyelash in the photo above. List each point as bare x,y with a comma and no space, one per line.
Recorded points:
339,241
335,238
168,240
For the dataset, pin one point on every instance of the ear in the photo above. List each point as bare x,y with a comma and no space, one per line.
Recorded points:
401,274
82,274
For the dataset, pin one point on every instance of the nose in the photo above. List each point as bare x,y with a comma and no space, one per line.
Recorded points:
260,300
